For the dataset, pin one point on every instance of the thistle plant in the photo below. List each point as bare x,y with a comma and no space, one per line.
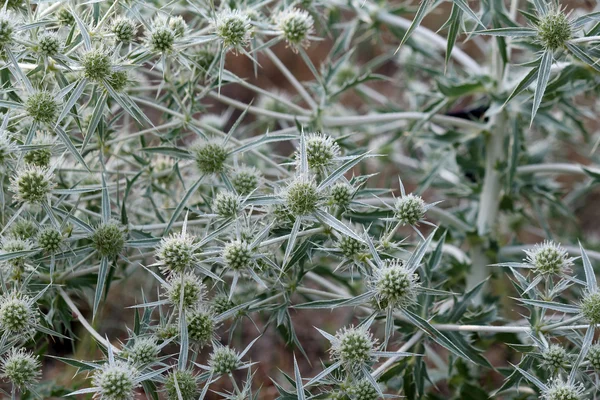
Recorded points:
371,199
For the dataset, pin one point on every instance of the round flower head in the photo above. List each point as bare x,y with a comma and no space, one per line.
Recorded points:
124,29
302,196
353,347
363,390
21,367
116,381
245,180
593,356
394,285
168,331
210,156
32,184
549,258
109,239
50,240
23,229
200,325
345,74
350,247
49,44
40,157
321,151
97,65
144,351
555,357
178,26
233,27
237,255
18,315
119,80
590,307
42,107
227,204
7,28
176,253
559,390
341,194
223,360
65,18
295,26
409,209
554,30
181,385
221,303
161,37
193,289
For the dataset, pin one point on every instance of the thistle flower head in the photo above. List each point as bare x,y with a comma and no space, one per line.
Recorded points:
21,367
593,356
590,307
363,390
302,196
560,390
40,157
210,156
49,44
97,65
193,289
394,285
23,229
227,204
223,360
178,26
42,107
245,180
144,351
50,240
116,381
18,315
176,253
124,29
200,325
109,239
161,37
555,357
321,151
32,184
549,258
340,194
233,27
237,255
350,247
119,80
554,29
295,26
7,28
353,347
409,209
181,385
221,303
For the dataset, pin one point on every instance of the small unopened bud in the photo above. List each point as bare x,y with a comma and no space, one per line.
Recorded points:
227,204
181,385
176,253
210,156
50,240
124,29
109,239
364,390
116,381
590,307
245,180
353,347
200,326
193,289
395,286
409,209
223,360
49,44
42,107
161,38
233,27
237,255
555,357
593,356
97,65
302,196
144,351
295,26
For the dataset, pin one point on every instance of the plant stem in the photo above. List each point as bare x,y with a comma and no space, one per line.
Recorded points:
390,361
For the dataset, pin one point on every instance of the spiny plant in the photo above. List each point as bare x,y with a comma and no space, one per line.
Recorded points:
219,168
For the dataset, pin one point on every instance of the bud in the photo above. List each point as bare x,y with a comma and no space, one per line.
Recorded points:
97,65
32,184
109,239
21,367
116,381
65,18
233,27
42,107
549,258
559,390
227,204
40,157
161,38
409,209
321,151
166,332
119,80
590,307
17,314
363,390
181,385
49,44
295,26
178,26
223,360
176,253
394,285
593,356
50,240
554,30
221,304
302,196
237,255
200,326
124,29
341,194
555,357
245,180
352,347
350,247
193,289
210,156
144,351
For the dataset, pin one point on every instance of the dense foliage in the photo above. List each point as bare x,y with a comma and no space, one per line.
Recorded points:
131,165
